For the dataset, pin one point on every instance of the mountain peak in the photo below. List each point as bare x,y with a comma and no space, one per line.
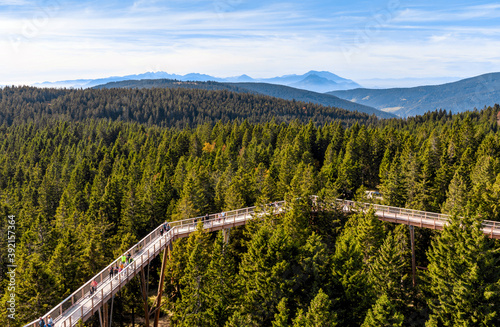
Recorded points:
317,81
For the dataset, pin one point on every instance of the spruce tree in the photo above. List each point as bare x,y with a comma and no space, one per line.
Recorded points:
320,312
281,317
193,309
266,273
464,276
352,291
383,314
389,271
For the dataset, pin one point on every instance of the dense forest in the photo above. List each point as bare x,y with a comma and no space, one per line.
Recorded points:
273,90
161,107
83,188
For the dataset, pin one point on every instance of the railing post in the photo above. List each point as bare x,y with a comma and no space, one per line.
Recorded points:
81,311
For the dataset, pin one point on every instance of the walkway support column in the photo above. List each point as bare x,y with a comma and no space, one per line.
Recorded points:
145,297
225,234
105,314
413,264
160,287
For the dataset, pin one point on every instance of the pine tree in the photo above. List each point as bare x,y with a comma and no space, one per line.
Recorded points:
221,280
316,267
464,276
457,195
241,320
369,231
193,309
352,290
392,187
281,317
320,312
383,314
388,273
266,273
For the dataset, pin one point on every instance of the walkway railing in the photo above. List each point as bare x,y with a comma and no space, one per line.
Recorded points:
416,218
81,305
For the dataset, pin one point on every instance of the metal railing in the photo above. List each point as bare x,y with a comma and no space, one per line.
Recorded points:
80,303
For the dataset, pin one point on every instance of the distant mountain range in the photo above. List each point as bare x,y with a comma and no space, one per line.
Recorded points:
463,95
313,80
274,90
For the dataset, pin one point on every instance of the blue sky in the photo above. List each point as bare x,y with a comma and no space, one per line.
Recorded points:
53,40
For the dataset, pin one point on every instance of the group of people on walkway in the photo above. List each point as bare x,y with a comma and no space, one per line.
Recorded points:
125,260
165,228
219,217
50,322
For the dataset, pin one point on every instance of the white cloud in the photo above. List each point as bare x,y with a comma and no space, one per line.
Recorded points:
462,14
14,2
263,42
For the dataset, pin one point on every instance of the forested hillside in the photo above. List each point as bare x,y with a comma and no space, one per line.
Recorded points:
85,187
273,90
161,107
474,92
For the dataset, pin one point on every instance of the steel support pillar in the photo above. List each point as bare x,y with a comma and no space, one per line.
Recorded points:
160,286
145,298
413,264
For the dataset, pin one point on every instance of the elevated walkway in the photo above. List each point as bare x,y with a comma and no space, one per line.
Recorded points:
415,218
81,305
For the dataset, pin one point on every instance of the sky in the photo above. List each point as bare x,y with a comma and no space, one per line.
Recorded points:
54,40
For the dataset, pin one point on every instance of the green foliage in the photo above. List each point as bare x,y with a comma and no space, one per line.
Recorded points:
282,316
383,314
266,271
389,271
88,173
464,276
320,312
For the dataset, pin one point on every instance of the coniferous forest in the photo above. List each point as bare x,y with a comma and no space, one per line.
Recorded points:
88,173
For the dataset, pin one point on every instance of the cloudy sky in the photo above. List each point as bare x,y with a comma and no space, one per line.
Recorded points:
54,40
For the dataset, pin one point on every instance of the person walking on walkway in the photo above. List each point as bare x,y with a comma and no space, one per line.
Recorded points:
124,259
41,323
50,322
129,257
111,271
93,287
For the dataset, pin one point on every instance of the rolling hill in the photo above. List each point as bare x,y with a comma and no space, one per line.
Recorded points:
463,95
274,90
